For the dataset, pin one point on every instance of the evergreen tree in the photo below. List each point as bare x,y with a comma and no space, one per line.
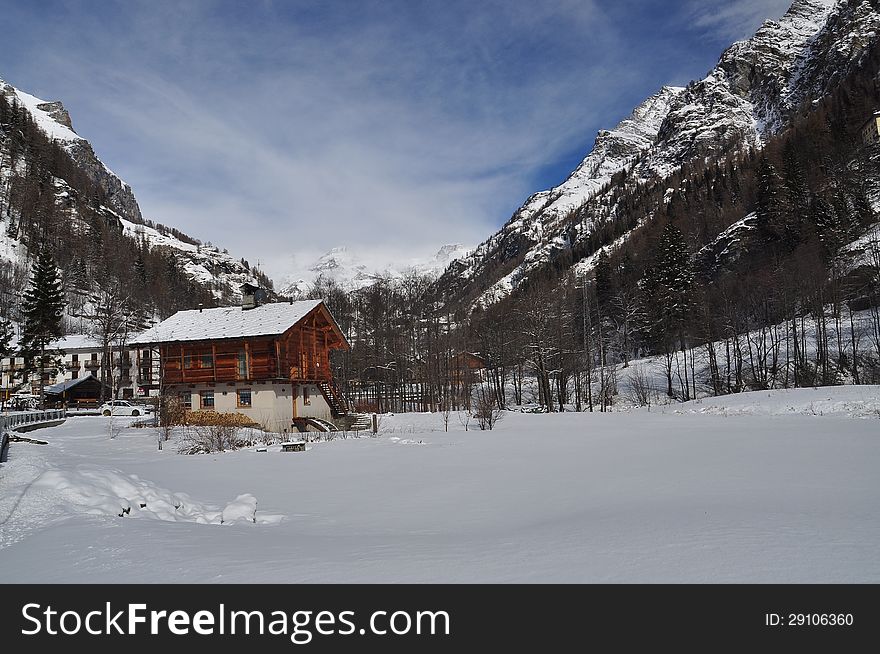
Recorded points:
604,285
7,332
768,203
797,198
666,295
674,275
42,308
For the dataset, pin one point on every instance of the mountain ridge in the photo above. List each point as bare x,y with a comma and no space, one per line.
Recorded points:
750,94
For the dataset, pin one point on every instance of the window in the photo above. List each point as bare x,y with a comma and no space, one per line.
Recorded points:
207,361
242,364
207,399
74,374
186,401
74,358
306,400
243,395
188,362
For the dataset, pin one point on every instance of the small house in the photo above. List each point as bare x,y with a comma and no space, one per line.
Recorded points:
268,361
85,391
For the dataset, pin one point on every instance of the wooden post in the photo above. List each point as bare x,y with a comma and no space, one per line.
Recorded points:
247,359
375,424
214,360
314,361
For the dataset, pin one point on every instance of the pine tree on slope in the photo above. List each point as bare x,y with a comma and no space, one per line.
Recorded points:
42,308
6,334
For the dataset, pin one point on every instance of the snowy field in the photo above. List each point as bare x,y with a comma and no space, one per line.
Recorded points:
763,487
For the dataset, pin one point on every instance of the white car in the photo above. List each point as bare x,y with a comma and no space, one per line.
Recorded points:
121,408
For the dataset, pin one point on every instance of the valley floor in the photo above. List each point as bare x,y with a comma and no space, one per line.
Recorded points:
761,487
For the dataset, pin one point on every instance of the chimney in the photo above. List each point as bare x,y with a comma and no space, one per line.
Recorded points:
252,296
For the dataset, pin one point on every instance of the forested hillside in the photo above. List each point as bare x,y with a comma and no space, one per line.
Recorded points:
754,268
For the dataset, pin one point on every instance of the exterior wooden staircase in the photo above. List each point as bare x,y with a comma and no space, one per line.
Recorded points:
335,398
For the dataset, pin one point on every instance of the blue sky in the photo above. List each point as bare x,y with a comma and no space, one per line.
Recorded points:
279,129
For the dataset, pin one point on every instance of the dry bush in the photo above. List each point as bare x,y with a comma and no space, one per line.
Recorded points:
171,414
205,439
486,410
641,390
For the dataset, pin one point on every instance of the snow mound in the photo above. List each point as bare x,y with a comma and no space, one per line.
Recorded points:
835,401
101,491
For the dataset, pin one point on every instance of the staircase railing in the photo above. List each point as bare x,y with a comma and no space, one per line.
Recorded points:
334,397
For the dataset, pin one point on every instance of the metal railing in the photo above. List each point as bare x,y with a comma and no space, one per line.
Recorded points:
13,420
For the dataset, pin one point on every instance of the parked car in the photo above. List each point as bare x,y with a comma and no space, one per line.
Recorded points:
121,408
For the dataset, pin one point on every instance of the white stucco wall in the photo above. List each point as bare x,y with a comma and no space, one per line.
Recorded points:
317,407
271,403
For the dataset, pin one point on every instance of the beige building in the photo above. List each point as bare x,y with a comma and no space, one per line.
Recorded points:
871,130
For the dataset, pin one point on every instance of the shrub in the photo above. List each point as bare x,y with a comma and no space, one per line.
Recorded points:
641,390
205,439
171,414
486,410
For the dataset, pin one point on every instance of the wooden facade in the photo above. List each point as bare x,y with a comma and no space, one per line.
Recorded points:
299,355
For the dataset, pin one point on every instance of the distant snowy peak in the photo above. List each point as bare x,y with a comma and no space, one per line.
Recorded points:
354,270
52,118
444,256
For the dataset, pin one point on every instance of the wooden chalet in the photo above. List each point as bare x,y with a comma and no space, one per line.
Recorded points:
269,361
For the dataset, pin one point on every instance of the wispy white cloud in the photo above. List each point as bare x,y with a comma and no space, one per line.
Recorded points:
282,129
730,20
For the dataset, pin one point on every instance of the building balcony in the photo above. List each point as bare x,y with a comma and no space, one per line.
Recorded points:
92,365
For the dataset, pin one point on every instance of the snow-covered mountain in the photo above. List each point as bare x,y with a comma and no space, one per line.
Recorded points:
207,265
352,270
54,120
753,91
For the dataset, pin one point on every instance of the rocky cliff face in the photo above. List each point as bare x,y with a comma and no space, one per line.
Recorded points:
752,92
55,121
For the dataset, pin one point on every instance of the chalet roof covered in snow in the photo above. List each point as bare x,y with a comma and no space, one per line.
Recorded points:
78,342
228,322
58,389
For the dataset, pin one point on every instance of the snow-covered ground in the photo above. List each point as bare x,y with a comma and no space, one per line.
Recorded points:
776,486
